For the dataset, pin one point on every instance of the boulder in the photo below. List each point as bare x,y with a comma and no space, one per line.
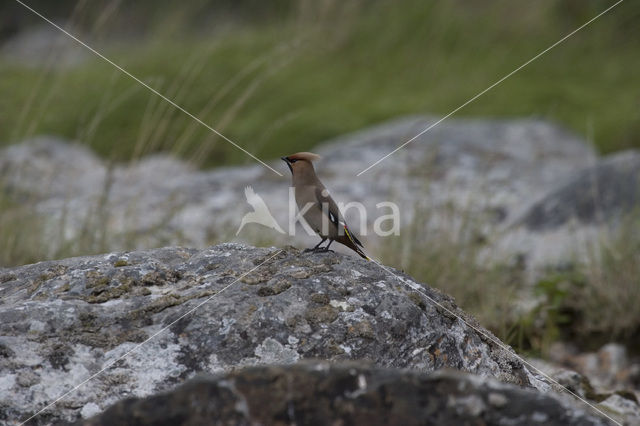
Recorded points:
152,319
569,222
594,195
343,393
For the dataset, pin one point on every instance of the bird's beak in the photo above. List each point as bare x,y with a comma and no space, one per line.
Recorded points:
286,160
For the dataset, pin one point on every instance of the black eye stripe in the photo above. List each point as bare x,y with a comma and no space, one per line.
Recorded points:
293,160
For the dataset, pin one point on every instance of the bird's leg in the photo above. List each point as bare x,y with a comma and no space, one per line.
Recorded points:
327,247
316,247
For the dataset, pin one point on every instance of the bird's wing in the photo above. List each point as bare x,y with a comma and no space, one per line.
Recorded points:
335,216
324,199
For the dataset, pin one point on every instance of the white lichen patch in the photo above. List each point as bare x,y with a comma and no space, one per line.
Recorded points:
149,366
340,304
270,351
90,409
36,325
227,323
6,383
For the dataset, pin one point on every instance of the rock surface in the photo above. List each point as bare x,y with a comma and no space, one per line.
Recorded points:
570,220
610,376
510,176
596,194
172,312
349,394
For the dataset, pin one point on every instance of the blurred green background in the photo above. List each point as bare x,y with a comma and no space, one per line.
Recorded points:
282,76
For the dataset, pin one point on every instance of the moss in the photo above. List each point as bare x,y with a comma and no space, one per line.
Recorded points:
6,278
47,275
109,339
6,352
164,302
417,299
253,279
102,291
95,340
335,349
157,305
293,321
265,291
133,335
362,329
64,288
252,309
44,295
53,272
321,314
211,266
281,286
107,294
87,319
115,379
160,278
320,298
121,262
277,288
300,274
98,282
627,394
34,286
153,278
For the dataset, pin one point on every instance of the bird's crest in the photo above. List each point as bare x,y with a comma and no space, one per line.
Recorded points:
309,156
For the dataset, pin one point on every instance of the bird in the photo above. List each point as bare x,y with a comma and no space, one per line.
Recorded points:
260,213
316,205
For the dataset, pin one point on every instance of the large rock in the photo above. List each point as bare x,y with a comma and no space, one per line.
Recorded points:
596,194
225,307
344,393
484,169
569,222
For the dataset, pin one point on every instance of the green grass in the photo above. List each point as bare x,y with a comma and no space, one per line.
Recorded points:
280,87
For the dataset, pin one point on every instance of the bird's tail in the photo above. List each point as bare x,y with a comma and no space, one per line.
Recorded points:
354,244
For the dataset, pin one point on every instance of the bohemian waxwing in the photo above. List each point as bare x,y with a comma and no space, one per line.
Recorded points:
316,205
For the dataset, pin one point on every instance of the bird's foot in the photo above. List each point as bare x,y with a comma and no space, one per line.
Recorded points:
317,250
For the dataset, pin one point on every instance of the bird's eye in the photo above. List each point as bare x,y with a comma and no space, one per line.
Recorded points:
293,160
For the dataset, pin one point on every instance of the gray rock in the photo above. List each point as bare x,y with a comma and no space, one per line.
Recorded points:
343,393
621,404
63,321
568,223
595,195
